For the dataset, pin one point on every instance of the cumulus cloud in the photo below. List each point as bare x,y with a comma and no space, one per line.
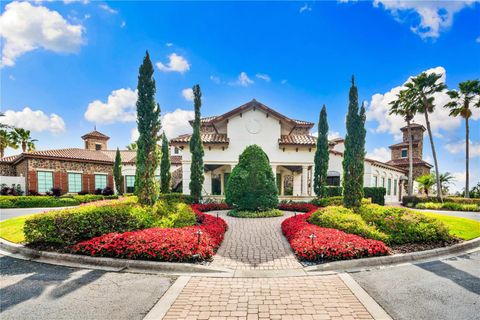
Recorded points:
333,135
173,124
243,80
24,28
426,18
176,63
379,154
263,76
119,107
459,148
188,94
34,120
379,107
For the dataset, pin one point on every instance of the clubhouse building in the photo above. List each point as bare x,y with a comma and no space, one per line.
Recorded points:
288,143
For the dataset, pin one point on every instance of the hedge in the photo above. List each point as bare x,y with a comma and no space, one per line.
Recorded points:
176,197
49,201
333,201
255,214
377,194
414,200
448,206
333,191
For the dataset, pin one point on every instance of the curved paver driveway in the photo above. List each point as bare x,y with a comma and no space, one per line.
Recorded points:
255,244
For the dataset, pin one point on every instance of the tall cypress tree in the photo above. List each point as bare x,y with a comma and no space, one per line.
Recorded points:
117,172
165,175
321,156
196,149
148,123
354,155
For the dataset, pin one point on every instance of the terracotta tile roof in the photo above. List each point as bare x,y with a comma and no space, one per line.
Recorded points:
95,134
402,144
76,154
298,139
176,159
206,138
9,159
404,162
413,125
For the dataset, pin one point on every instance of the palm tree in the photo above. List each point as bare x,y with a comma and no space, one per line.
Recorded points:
6,141
404,107
132,146
460,106
426,182
421,89
445,180
23,138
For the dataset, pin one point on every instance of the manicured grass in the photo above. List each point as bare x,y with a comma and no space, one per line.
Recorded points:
255,214
12,229
463,228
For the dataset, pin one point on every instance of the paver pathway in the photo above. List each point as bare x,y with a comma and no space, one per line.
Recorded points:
255,244
289,298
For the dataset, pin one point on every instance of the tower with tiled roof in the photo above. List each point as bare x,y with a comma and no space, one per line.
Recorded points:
95,140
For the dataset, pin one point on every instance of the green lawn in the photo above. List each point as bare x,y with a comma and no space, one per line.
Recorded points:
463,228
12,229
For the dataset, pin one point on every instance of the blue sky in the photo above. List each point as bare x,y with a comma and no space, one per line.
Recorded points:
74,64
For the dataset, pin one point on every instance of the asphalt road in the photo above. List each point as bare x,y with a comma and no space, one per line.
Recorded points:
444,289
30,290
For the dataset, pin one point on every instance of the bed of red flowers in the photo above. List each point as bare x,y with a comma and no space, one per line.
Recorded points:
298,207
313,243
194,243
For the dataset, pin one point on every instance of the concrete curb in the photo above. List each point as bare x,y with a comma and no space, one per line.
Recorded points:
347,265
119,264
79,261
162,306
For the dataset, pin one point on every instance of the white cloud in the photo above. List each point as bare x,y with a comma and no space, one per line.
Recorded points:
173,124
305,7
107,8
73,1
459,148
379,154
120,107
426,18
263,76
460,177
188,94
123,24
478,40
215,79
283,81
11,77
176,63
34,120
242,80
379,107
25,27
169,44
333,135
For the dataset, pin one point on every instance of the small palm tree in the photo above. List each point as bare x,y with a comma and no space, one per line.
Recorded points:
445,180
420,90
7,140
23,138
132,146
426,182
460,106
404,106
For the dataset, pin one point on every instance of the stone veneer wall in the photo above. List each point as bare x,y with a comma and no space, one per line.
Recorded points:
7,169
90,144
301,131
60,173
397,152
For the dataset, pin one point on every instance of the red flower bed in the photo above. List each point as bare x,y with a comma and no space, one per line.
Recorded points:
298,207
328,244
162,244
211,206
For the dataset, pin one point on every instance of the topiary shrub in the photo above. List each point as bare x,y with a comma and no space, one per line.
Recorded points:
251,186
377,194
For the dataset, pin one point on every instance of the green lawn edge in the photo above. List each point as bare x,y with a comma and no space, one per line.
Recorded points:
12,229
463,228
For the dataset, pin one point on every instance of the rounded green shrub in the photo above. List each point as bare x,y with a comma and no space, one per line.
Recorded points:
251,186
255,214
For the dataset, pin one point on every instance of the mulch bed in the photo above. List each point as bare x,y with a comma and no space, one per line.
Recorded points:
413,247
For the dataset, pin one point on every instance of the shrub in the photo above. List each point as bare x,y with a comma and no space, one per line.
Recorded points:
56,192
161,244
98,191
107,191
173,215
176,197
36,202
405,226
9,191
33,193
69,226
448,206
256,214
83,192
324,202
6,203
328,244
251,185
414,200
333,191
377,194
346,220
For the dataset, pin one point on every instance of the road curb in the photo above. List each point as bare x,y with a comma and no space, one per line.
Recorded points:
162,306
395,259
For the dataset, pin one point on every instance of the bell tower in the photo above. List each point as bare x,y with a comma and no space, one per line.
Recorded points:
95,140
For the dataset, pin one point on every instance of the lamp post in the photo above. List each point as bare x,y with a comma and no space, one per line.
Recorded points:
198,233
312,237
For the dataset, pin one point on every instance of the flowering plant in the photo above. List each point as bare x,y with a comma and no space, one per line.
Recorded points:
313,243
299,207
198,242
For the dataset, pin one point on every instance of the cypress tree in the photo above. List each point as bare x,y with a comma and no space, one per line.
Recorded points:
321,156
148,123
117,172
196,149
354,155
165,175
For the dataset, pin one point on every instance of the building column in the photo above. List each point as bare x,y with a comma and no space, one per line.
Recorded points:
304,180
282,184
222,182
186,178
274,169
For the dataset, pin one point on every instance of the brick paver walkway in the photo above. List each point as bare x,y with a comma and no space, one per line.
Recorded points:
255,244
315,297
